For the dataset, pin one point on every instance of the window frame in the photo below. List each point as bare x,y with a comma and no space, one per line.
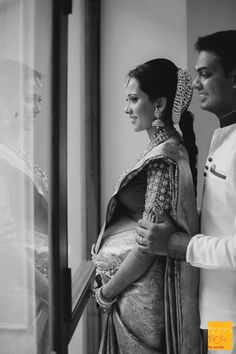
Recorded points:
60,279
65,292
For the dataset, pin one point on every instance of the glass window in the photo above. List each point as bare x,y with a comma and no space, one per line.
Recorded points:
25,76
49,191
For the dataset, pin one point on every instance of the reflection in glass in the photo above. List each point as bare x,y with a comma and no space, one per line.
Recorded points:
23,216
24,251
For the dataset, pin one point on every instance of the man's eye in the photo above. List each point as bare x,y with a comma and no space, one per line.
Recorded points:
133,99
205,74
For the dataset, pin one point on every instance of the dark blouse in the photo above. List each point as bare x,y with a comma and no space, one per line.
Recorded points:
148,194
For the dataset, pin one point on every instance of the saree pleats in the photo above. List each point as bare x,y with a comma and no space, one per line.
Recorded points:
138,317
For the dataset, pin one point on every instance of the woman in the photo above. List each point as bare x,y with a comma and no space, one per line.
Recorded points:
148,298
23,217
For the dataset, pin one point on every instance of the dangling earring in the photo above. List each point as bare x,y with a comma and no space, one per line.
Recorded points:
158,122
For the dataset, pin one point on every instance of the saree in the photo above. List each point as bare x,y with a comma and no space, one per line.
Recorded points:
157,313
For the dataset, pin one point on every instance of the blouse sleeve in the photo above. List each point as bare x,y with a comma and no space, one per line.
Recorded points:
157,200
160,185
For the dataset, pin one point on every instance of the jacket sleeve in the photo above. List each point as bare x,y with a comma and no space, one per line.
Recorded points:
212,252
201,251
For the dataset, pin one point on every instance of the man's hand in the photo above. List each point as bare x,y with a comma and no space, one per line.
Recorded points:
154,237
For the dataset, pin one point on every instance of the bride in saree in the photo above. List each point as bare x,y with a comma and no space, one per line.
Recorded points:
151,302
24,291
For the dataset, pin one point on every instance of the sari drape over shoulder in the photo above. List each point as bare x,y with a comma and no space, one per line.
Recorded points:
157,313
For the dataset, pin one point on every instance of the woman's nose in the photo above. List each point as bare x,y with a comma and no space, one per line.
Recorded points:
127,108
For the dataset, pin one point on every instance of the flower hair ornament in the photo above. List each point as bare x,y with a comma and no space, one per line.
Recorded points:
183,95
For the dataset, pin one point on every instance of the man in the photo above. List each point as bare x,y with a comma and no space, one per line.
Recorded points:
214,250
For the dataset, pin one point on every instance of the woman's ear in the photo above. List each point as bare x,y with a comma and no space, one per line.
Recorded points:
160,104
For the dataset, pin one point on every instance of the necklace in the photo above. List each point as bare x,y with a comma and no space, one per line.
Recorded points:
18,149
159,137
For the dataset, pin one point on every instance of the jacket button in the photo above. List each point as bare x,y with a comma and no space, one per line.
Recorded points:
206,167
210,159
204,174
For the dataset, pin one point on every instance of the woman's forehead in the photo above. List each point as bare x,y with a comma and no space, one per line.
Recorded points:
133,85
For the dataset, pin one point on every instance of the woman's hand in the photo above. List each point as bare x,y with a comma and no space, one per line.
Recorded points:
154,237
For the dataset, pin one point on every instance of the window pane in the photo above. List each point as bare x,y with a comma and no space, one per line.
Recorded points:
78,341
76,128
76,160
25,35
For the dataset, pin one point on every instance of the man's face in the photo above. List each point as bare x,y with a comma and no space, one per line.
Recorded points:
215,88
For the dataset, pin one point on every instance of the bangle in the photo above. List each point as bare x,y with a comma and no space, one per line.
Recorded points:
106,305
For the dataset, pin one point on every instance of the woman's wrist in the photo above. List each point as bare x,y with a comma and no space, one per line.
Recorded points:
105,298
105,303
105,295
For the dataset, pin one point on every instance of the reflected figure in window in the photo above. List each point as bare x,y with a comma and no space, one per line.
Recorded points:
23,217
151,302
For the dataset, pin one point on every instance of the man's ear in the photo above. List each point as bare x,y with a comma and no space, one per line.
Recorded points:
233,78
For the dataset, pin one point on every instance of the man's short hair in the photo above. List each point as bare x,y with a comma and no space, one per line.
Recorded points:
223,44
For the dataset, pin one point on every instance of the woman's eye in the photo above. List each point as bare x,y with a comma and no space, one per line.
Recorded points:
131,99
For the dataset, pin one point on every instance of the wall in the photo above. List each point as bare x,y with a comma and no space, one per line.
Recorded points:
205,17
133,31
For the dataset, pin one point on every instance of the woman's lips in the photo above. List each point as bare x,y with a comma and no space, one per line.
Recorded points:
133,119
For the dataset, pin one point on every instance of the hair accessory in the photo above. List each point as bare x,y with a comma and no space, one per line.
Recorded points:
183,95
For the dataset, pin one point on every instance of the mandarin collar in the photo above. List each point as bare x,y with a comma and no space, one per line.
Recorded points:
227,120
